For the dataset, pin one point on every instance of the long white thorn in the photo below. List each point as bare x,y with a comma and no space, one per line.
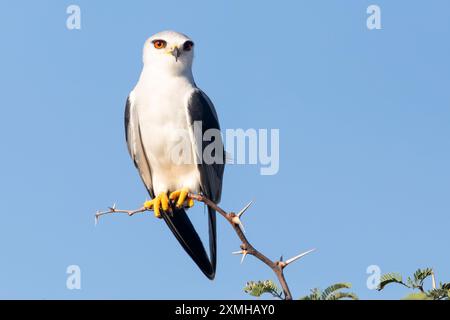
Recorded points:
245,209
244,254
298,257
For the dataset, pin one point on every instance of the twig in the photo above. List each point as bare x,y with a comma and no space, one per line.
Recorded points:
113,209
246,247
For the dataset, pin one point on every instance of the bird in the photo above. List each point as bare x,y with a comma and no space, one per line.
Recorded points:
161,115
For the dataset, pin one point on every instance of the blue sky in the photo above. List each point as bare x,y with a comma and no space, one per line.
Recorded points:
364,144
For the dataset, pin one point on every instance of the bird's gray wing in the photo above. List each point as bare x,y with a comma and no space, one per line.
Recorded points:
201,109
135,146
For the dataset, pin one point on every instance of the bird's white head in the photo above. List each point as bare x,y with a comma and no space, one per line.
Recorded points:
169,51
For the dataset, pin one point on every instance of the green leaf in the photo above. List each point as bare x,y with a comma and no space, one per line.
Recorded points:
335,287
343,295
388,278
445,286
331,293
442,292
417,296
418,278
315,295
421,274
257,289
438,294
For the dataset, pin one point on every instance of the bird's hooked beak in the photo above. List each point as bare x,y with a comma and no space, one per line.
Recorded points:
175,52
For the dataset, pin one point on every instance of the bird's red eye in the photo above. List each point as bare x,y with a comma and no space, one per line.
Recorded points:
159,44
187,46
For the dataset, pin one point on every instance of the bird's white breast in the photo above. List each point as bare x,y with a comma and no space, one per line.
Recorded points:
162,111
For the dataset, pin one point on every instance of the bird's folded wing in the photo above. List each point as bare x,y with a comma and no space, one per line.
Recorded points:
135,146
200,108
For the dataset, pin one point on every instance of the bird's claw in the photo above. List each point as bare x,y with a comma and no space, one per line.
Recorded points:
161,202
180,197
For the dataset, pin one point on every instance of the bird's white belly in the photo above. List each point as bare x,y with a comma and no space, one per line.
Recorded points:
167,141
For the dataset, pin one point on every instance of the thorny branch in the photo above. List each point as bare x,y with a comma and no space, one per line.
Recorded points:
246,247
113,209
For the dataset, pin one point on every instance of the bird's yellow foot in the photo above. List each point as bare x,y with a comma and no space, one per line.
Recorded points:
161,202
181,196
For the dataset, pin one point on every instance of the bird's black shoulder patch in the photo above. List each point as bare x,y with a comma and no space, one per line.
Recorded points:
201,109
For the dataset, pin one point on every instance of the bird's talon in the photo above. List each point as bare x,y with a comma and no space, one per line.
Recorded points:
164,201
181,196
161,202
148,204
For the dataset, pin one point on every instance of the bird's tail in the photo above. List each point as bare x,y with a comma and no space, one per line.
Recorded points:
181,226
